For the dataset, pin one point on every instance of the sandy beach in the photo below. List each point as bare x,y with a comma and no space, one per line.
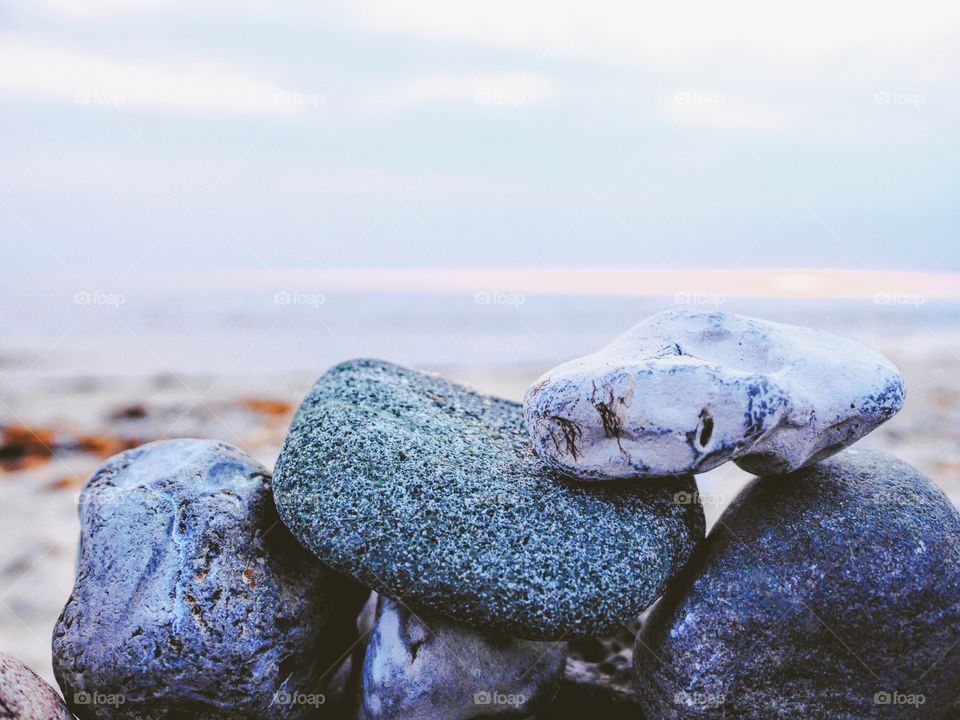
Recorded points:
59,426
207,206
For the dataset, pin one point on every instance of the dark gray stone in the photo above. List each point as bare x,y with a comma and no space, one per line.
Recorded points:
430,493
832,592
425,667
192,599
25,696
954,712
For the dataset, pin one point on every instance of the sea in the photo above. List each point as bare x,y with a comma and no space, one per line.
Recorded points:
239,332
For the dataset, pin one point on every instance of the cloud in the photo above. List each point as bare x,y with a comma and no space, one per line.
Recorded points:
99,9
698,108
624,30
56,73
510,90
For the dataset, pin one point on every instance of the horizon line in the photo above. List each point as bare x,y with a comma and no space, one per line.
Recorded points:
779,283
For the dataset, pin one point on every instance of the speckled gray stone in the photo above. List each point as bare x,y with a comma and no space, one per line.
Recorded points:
192,599
683,392
425,667
833,592
25,696
430,493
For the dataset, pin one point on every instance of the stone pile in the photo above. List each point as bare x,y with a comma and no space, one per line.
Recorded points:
504,553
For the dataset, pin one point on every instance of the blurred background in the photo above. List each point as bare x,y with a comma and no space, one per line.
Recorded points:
204,205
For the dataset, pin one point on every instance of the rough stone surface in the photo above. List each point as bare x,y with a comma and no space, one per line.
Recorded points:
425,667
25,696
954,713
833,592
430,493
683,392
191,598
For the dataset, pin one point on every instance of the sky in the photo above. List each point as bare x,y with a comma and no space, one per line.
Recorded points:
152,137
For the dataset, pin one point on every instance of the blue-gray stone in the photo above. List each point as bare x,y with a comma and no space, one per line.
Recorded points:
425,667
430,493
192,599
832,592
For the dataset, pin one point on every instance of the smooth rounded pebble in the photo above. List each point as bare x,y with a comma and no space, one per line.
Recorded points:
833,592
427,667
430,493
25,696
684,392
192,599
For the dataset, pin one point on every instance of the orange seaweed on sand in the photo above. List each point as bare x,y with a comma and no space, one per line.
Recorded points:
267,407
104,445
23,447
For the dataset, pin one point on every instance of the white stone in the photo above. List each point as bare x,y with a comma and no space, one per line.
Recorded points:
684,392
427,668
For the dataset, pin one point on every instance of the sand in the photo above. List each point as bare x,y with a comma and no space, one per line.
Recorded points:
86,420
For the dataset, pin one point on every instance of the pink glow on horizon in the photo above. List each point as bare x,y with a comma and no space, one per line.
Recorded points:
768,283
